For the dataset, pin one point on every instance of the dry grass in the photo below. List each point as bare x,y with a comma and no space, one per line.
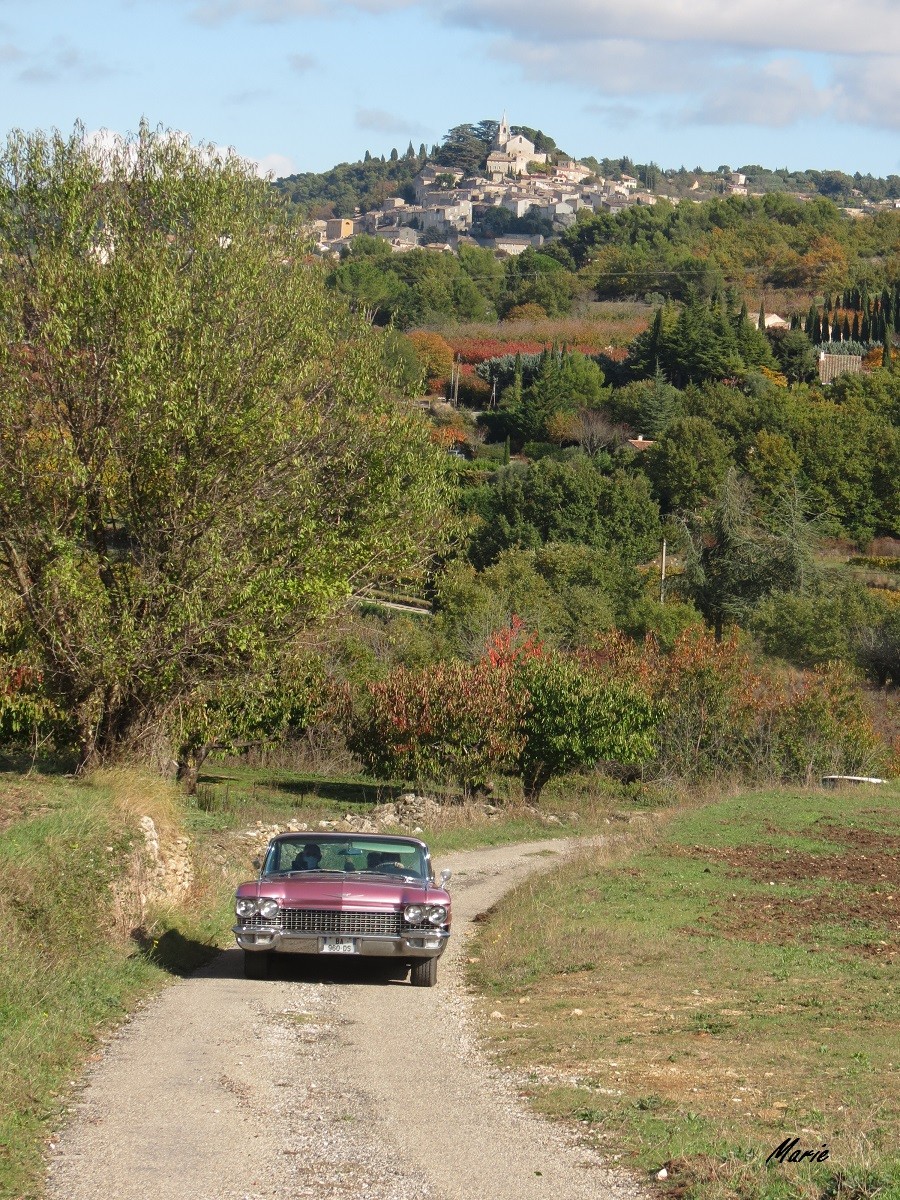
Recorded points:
704,1046
135,794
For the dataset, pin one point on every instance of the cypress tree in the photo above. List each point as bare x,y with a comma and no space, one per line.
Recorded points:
423,152
810,320
855,330
761,326
656,337
367,157
394,155
817,331
865,329
410,150
845,329
886,357
827,304
836,328
846,298
795,321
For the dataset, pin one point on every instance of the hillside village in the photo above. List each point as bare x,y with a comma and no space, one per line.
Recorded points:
450,206
517,177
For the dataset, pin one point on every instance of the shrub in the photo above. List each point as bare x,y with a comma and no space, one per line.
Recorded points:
434,352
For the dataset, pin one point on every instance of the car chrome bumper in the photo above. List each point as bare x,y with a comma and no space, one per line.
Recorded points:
429,943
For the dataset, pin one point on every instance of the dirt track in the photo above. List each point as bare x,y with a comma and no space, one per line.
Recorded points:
345,1086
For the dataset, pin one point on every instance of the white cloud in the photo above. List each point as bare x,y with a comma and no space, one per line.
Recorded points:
867,91
616,67
380,121
828,26
276,165
301,63
58,60
775,95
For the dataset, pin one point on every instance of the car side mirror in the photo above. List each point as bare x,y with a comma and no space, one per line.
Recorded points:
445,876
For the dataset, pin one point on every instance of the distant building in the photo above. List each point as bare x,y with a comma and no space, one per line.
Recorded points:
832,366
340,228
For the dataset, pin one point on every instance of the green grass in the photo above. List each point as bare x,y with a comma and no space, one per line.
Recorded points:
694,1002
74,959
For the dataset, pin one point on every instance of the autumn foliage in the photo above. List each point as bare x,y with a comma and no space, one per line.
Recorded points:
699,711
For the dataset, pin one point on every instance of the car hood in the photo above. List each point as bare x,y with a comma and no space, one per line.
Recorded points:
342,892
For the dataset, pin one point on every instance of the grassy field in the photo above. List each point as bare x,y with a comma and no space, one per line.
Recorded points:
693,1002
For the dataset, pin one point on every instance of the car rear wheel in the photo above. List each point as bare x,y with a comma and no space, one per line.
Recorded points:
256,964
424,972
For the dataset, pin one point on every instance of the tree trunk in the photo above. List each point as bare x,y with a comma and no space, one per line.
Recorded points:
190,759
534,777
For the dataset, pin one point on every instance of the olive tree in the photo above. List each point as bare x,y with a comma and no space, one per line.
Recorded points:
200,452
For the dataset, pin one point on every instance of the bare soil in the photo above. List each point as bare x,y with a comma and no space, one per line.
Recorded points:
864,879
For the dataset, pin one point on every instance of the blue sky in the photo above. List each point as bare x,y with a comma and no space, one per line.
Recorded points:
302,84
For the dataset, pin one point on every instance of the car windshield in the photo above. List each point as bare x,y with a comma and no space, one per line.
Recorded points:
370,856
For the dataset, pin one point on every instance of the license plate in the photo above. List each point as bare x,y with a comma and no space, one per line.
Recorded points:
335,945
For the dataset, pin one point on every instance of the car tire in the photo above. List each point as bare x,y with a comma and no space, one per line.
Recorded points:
256,964
424,973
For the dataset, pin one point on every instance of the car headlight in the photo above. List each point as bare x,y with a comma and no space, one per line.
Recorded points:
438,915
268,909
245,907
414,914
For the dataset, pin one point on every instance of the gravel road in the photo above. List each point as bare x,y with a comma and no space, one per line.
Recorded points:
340,1087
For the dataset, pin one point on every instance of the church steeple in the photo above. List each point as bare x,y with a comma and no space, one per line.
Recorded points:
502,133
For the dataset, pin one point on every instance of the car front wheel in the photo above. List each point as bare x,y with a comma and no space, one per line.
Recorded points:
256,964
424,973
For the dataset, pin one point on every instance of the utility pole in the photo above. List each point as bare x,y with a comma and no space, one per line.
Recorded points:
662,575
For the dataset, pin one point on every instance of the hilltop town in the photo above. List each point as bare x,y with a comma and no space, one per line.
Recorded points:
521,195
450,205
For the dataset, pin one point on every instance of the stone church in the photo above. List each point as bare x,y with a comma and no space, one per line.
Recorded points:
510,153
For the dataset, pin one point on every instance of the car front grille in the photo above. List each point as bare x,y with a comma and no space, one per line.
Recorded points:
324,920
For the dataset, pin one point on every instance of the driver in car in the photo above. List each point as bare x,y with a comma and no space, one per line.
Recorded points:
308,859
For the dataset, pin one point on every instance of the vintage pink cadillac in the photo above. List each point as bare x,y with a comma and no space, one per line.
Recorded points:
345,893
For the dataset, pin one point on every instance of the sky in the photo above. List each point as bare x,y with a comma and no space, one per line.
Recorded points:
299,85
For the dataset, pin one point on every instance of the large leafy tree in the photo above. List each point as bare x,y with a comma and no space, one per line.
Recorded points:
199,452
